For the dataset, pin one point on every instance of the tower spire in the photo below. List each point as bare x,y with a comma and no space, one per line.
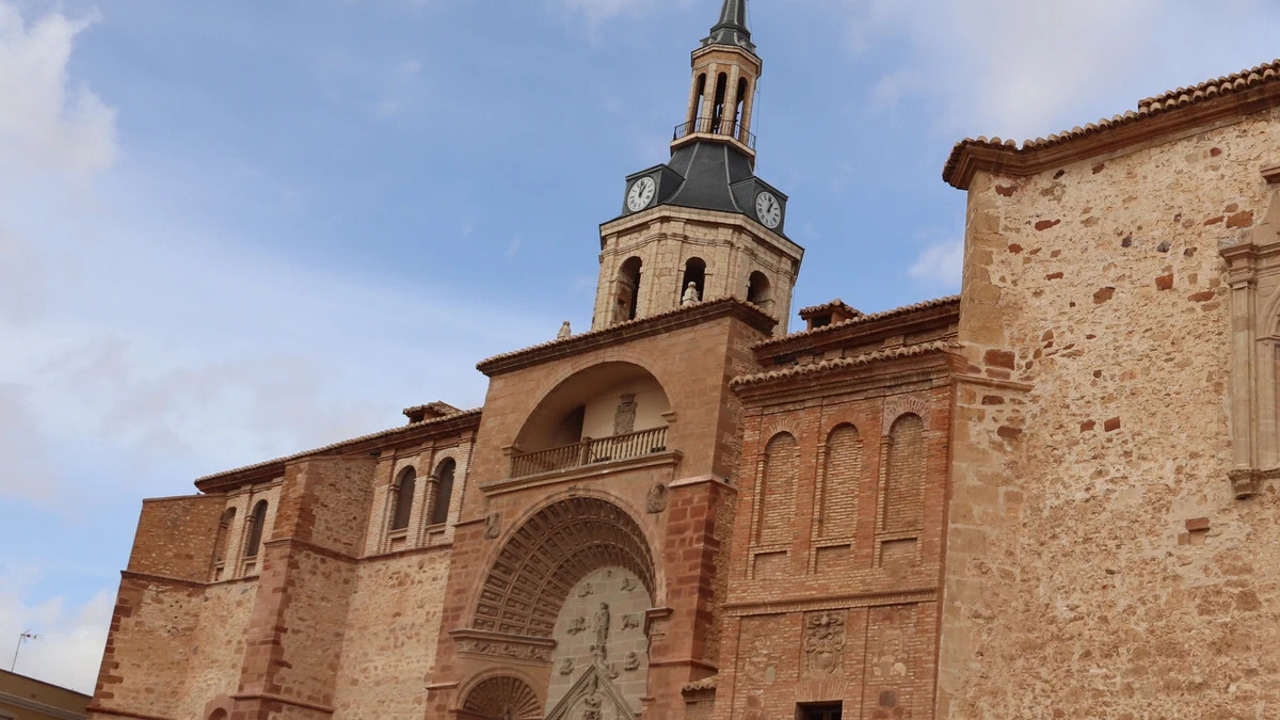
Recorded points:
732,28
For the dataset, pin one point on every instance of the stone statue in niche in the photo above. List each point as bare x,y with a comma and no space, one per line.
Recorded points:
579,625
824,640
632,662
624,419
690,295
565,331
630,622
657,499
600,624
493,526
566,666
628,585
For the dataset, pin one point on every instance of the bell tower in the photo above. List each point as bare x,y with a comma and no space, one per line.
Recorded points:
702,226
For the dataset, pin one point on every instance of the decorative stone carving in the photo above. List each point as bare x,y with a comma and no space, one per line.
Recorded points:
624,419
631,662
566,666
592,697
690,295
600,625
630,622
493,526
499,648
824,640
502,697
585,590
628,584
565,331
657,500
579,626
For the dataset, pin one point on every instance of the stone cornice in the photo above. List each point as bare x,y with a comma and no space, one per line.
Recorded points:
926,362
660,324
666,213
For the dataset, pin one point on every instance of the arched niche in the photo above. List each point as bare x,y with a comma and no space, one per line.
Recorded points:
602,401
502,697
549,554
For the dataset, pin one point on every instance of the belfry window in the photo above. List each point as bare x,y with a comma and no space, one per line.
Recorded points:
717,112
699,97
627,293
738,119
404,490
443,480
695,271
758,290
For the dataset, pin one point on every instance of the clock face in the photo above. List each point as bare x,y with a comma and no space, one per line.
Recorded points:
768,210
641,193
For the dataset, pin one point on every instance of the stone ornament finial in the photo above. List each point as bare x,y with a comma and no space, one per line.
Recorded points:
565,331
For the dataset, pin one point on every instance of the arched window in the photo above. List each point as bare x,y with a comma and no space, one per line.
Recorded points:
904,472
257,522
838,504
778,490
222,545
628,290
699,96
695,271
406,484
717,111
443,479
737,110
758,289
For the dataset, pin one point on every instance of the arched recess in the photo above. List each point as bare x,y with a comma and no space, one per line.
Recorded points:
442,490
601,401
403,492
627,290
502,697
842,473
695,271
759,290
904,475
776,502
550,552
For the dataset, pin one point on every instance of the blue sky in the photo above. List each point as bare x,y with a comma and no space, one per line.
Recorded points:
234,230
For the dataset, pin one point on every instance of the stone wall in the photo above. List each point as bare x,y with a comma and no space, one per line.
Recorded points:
1098,562
217,646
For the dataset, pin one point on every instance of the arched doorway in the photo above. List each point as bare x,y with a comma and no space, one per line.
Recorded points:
580,572
501,698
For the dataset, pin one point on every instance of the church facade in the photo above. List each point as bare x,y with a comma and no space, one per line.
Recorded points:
1052,496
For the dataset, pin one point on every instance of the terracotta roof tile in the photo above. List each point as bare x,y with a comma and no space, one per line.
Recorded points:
1149,108
938,302
580,337
833,305
338,445
841,363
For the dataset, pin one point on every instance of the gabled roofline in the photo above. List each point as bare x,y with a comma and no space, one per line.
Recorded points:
1221,101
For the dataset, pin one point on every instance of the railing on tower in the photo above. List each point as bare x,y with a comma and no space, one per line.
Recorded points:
590,451
715,126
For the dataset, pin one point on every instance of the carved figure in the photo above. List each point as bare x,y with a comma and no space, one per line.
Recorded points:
628,585
657,499
600,624
824,643
632,662
565,331
691,294
579,625
585,590
624,419
566,666
592,702
493,526
630,622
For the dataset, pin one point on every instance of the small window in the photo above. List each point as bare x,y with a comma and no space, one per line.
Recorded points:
257,521
717,110
405,487
820,712
758,289
627,296
444,491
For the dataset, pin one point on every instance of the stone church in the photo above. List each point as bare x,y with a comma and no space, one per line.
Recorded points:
1052,496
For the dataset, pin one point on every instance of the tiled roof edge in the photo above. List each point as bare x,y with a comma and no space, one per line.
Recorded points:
862,319
841,363
1007,156
340,444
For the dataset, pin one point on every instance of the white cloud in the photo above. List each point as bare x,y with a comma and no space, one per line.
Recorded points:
45,123
68,649
939,265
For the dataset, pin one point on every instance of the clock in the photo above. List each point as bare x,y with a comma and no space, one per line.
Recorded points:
640,194
768,210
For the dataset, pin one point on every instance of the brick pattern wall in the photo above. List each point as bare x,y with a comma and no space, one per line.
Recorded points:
904,476
838,497
777,504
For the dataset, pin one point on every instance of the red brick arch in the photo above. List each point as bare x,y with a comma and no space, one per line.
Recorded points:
564,542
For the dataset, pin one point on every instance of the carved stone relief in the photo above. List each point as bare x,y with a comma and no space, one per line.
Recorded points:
493,526
824,641
624,419
657,500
